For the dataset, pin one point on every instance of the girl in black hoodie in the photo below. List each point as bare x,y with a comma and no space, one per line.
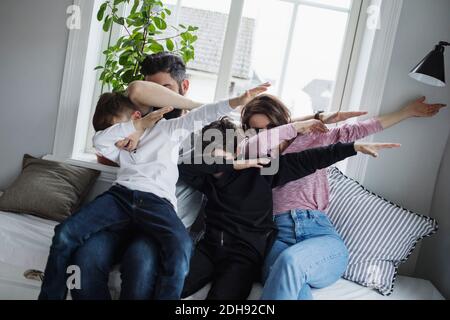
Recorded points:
238,213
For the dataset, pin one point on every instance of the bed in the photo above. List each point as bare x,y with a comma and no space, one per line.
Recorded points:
25,241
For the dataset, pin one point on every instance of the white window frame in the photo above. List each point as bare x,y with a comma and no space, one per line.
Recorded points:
361,82
369,69
229,46
74,99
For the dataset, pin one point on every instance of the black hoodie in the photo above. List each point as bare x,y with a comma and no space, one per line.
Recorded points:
240,202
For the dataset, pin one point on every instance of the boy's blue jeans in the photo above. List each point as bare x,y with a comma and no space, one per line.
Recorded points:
308,253
117,210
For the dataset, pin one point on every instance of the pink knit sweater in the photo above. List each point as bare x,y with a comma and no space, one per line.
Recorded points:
311,192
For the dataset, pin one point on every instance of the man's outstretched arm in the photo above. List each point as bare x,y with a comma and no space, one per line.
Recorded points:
145,94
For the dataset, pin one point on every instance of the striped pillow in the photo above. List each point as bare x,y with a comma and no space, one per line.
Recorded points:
379,234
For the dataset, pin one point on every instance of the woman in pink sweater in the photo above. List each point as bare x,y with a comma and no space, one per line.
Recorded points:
308,252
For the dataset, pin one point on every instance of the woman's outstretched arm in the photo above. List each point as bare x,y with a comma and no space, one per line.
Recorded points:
265,142
416,109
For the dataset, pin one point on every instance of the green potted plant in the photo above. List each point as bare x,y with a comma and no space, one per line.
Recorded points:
146,32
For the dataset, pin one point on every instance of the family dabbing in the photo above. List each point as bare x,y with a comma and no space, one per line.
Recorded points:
179,160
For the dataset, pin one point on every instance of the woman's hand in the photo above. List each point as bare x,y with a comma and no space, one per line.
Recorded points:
251,163
304,127
335,117
372,149
420,108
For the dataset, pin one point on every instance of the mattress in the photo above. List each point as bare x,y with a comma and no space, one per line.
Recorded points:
25,242
406,288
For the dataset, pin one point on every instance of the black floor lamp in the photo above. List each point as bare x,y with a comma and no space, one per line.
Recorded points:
431,70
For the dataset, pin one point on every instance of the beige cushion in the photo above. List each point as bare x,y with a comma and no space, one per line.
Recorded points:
48,189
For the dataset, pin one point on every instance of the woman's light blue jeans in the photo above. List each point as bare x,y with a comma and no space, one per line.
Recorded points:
308,253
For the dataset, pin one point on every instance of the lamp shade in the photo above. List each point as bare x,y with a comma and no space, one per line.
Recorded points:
431,70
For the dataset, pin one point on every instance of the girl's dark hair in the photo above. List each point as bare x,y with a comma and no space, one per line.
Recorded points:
268,105
109,106
222,126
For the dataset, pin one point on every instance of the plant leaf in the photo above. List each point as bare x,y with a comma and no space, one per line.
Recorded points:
156,47
101,11
160,23
145,22
107,24
169,44
135,6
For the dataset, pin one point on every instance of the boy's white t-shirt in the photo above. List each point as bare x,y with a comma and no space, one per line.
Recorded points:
153,167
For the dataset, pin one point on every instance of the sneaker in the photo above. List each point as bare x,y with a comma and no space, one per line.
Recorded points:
34,275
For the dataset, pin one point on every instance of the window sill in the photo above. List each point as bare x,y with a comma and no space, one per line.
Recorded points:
88,160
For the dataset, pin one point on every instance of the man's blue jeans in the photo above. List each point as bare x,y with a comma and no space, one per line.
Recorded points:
134,251
139,259
308,253
117,210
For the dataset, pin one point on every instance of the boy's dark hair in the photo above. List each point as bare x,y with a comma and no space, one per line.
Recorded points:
164,62
224,143
109,106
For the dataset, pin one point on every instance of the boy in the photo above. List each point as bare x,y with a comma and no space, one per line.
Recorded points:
239,224
143,196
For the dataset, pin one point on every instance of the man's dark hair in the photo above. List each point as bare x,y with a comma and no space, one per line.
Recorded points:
109,106
169,63
165,62
221,126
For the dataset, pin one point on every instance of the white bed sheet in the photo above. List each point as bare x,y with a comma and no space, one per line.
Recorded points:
25,241
406,288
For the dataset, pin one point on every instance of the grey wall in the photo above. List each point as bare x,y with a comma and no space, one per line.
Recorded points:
33,41
408,176
434,259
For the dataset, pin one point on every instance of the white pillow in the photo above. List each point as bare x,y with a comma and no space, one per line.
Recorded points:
379,234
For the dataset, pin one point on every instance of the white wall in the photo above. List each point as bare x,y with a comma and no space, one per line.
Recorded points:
33,41
434,259
408,176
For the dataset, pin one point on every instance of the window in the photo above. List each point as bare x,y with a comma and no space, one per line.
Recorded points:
297,46
301,46
83,143
211,17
